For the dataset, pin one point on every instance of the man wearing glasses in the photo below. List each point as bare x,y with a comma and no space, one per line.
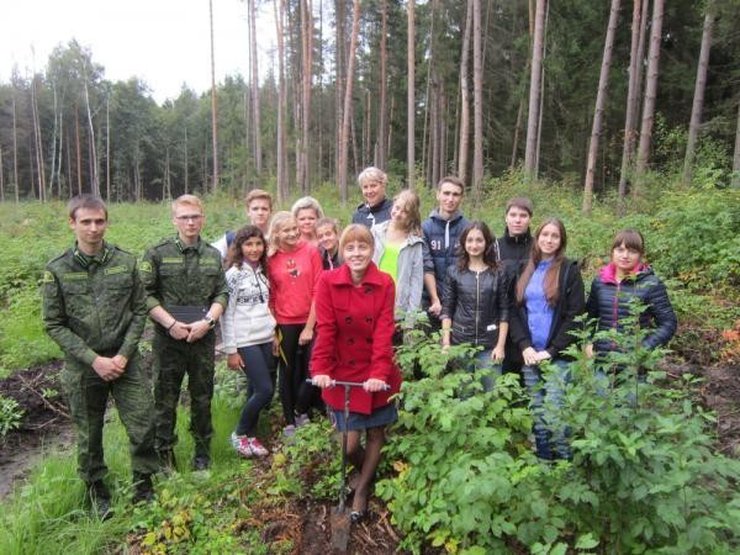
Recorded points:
186,294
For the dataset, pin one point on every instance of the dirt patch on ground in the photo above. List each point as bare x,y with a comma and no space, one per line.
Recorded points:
721,393
44,423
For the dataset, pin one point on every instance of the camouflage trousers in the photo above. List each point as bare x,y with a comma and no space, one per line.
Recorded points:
87,395
174,359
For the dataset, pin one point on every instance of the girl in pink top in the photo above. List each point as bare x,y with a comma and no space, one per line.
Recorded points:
294,267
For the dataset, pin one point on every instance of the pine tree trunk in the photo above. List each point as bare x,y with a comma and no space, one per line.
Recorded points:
254,73
282,164
477,101
735,159
347,109
381,155
2,177
535,90
639,12
15,150
411,96
214,103
187,162
651,91
77,150
463,156
307,67
593,147
339,81
38,143
701,84
95,184
107,150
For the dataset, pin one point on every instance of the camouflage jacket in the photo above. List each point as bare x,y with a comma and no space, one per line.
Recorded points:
175,274
94,305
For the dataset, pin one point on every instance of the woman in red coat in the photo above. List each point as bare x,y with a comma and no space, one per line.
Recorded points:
354,308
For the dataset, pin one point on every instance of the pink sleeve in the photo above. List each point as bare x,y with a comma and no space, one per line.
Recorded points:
323,358
381,366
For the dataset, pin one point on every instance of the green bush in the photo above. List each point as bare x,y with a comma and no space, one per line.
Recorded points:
643,477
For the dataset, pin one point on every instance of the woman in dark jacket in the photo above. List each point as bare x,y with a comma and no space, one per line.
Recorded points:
475,308
549,296
621,283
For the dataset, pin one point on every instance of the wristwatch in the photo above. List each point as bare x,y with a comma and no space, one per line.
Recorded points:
211,322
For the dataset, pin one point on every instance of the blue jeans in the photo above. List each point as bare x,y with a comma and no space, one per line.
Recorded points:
483,361
550,436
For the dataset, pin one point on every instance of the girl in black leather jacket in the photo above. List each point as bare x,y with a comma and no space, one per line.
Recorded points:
476,306
625,280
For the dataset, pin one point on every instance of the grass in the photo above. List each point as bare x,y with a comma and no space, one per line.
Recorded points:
46,514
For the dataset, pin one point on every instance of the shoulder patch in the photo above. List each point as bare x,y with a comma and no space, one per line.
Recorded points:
48,277
145,266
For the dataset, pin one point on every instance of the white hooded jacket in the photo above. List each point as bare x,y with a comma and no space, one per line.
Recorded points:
247,319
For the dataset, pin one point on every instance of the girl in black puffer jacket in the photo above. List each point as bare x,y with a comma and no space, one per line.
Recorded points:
625,280
476,304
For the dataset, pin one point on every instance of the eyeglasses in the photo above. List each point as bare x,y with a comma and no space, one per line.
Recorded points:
189,218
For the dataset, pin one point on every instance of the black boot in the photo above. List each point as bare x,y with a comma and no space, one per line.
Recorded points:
143,489
98,496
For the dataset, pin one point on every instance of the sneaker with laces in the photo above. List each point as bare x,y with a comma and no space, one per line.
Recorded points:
251,447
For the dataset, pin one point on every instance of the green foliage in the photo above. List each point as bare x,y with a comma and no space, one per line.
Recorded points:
10,415
643,477
308,464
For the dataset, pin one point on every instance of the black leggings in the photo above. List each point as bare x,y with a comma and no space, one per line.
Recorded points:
295,393
257,363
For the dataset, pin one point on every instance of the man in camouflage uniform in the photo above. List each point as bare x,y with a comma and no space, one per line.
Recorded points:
186,293
93,307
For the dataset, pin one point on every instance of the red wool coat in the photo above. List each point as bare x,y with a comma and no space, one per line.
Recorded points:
354,336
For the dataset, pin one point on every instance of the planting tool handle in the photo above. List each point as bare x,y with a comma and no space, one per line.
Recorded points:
347,384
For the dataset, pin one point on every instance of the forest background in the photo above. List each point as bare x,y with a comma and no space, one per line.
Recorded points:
592,94
602,112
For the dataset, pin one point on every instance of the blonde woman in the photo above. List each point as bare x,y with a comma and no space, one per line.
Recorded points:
398,252
294,268
307,211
